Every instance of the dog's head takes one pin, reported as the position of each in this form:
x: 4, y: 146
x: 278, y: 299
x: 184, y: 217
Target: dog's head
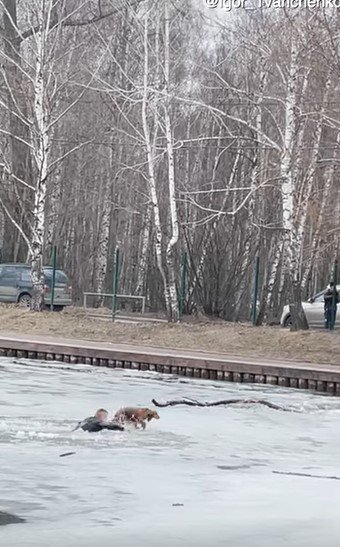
x: 151, y: 414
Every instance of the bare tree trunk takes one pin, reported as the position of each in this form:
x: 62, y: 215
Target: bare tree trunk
x: 301, y: 215
x: 296, y: 168
x: 54, y: 207
x: 290, y: 230
x: 273, y: 274
x: 41, y: 147
x: 170, y: 258
x: 143, y: 253
x: 56, y: 176
x: 18, y: 120
x: 103, y: 241
x: 2, y: 233
x: 151, y: 168
x: 326, y: 191
x: 104, y: 229
x: 208, y: 229
x: 257, y: 173
x: 15, y: 92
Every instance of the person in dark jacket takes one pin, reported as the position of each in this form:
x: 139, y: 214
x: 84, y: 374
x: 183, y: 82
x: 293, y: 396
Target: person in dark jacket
x: 331, y: 298
x: 98, y: 422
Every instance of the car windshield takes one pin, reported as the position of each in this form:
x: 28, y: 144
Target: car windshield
x: 320, y: 295
x: 60, y: 276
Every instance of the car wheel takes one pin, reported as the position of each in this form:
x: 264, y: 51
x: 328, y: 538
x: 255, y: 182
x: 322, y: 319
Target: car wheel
x: 25, y: 300
x: 288, y: 322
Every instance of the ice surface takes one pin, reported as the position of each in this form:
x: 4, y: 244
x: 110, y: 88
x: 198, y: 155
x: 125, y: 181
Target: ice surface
x: 196, y: 477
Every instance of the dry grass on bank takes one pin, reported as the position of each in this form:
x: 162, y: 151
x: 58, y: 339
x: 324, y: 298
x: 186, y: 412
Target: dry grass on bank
x: 232, y: 338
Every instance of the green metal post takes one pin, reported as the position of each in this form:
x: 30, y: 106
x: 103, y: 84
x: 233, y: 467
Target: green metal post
x: 184, y: 270
x: 256, y: 289
x: 334, y: 303
x: 115, y: 283
x: 54, y: 266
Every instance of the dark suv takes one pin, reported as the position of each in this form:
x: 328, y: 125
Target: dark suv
x: 16, y: 286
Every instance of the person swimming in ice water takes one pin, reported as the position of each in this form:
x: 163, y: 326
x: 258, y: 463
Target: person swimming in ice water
x: 98, y: 422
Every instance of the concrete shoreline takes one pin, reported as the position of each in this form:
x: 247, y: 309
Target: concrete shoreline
x: 196, y: 364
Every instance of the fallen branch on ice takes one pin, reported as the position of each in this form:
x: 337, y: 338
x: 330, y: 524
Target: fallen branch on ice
x: 192, y: 402
x: 334, y: 477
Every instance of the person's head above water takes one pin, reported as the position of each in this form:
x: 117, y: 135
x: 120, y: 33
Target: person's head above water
x: 101, y: 415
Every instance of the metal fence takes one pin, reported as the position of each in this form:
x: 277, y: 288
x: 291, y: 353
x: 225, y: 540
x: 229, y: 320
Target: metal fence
x: 118, y: 296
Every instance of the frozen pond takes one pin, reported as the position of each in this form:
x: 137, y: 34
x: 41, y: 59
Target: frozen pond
x: 122, y: 488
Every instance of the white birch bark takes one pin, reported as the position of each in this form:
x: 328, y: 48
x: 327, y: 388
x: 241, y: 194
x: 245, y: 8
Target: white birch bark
x: 287, y: 158
x: 103, y: 239
x: 296, y: 167
x: 151, y: 167
x: 273, y: 272
x: 291, y: 244
x: 187, y: 208
x: 283, y: 245
x: 143, y: 253
x: 170, y: 258
x: 41, y: 149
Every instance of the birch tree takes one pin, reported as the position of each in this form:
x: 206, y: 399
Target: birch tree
x: 153, y: 128
x: 38, y: 61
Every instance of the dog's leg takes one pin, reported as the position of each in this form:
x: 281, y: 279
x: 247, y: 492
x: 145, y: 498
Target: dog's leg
x: 135, y: 421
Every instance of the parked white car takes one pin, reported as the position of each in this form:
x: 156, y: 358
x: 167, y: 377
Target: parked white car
x: 314, y: 310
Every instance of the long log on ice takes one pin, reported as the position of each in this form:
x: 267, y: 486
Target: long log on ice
x: 309, y: 475
x: 192, y: 402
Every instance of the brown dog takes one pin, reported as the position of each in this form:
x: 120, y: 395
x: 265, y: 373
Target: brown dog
x: 136, y: 416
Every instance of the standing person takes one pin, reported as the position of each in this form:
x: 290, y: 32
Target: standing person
x: 331, y: 298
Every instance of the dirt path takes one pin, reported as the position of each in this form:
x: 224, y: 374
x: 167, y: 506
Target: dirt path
x: 218, y: 337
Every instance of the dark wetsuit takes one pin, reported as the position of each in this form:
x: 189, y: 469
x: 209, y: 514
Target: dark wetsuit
x: 331, y: 298
x: 93, y: 425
